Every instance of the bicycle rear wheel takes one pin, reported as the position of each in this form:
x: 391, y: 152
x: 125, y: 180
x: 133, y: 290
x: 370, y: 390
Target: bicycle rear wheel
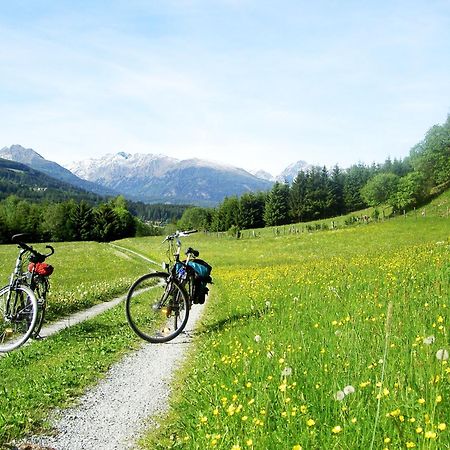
x: 17, y: 317
x: 41, y: 297
x: 157, y: 307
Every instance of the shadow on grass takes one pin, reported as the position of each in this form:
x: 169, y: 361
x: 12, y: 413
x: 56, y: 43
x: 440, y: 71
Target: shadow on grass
x: 230, y: 321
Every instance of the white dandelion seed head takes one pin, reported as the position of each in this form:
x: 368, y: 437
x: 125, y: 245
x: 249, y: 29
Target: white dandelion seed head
x: 349, y: 389
x: 442, y: 354
x: 287, y: 371
x: 257, y: 338
x: 339, y: 396
x: 429, y: 340
x: 268, y: 304
x: 380, y: 361
x: 338, y: 332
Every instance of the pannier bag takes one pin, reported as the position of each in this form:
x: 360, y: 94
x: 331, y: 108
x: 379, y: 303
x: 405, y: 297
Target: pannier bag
x: 202, y: 277
x: 41, y: 268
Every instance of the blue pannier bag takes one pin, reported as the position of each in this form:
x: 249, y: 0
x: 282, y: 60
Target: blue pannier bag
x: 202, y: 276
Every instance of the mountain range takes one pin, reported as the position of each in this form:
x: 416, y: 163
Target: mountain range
x: 154, y: 178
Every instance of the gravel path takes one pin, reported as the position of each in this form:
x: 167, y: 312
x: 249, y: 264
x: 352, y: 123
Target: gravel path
x: 112, y: 415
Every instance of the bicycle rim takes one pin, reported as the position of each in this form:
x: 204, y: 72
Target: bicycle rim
x: 157, y: 308
x: 18, y: 321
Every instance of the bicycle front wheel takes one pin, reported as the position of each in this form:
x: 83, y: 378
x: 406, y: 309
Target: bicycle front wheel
x: 18, y: 315
x: 157, y: 307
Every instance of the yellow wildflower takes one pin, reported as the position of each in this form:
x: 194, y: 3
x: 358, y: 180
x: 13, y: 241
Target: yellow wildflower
x: 337, y: 429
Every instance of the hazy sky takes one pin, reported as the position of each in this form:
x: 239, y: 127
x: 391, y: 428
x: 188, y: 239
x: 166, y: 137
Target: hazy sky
x: 253, y: 83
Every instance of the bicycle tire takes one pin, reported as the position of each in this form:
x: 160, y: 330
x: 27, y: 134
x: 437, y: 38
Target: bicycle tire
x: 42, y: 304
x: 157, y: 307
x: 41, y: 296
x: 17, y: 324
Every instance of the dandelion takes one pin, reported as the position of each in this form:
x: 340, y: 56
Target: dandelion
x: 249, y: 442
x: 310, y: 422
x: 442, y: 354
x: 430, y: 435
x: 287, y: 371
x: 297, y: 447
x: 337, y: 429
x: 442, y: 426
x: 421, y: 401
x: 339, y: 396
x: 387, y: 440
x: 349, y: 390
x: 429, y: 340
x: 236, y: 447
x: 419, y: 430
x: 410, y: 444
x: 257, y: 338
x: 438, y: 399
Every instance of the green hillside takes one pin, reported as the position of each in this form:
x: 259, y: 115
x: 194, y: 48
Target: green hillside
x: 29, y: 184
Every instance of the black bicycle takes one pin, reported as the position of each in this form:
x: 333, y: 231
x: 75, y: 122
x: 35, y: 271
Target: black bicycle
x: 23, y: 301
x: 157, y: 305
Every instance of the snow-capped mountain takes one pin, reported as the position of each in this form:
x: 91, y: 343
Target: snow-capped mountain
x: 158, y: 178
x: 154, y: 178
x: 264, y: 175
x: 288, y: 175
x: 34, y: 160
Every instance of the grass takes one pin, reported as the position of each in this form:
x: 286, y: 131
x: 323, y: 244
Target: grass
x: 331, y: 339
x: 294, y: 321
x: 54, y: 372
x: 85, y: 273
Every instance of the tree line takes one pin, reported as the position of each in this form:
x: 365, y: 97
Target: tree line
x: 70, y: 220
x: 320, y: 193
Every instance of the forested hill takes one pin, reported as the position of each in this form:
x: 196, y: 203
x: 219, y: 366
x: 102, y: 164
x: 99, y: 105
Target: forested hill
x: 29, y: 184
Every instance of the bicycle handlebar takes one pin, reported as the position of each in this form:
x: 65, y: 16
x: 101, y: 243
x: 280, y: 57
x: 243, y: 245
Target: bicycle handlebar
x: 16, y: 239
x: 178, y: 234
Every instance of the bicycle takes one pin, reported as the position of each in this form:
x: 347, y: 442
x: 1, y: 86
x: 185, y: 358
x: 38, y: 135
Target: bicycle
x: 158, y: 304
x: 23, y: 301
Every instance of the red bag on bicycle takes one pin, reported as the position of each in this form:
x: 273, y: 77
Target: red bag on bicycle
x: 41, y: 268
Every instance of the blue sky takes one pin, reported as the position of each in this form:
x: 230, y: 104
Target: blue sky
x: 253, y: 83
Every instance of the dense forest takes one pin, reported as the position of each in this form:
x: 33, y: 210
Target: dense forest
x: 70, y: 220
x: 319, y: 193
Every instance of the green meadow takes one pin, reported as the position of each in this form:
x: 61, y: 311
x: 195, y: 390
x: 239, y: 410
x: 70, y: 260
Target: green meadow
x: 328, y: 339
x: 320, y: 340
